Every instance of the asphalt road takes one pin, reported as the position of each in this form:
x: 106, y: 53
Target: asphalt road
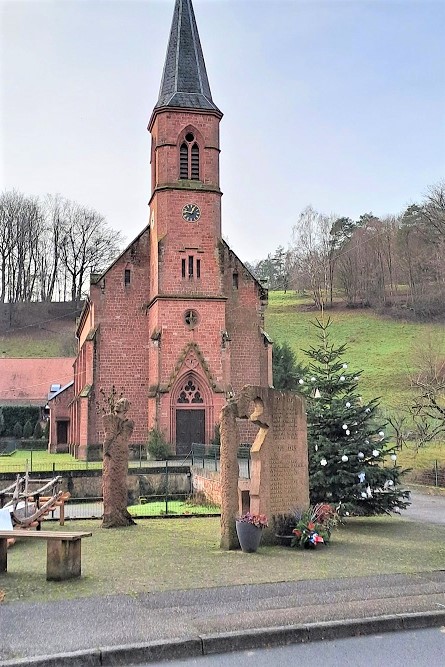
x: 419, y: 648
x: 425, y: 508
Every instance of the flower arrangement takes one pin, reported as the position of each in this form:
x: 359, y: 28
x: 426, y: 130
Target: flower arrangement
x: 258, y: 520
x: 315, y: 526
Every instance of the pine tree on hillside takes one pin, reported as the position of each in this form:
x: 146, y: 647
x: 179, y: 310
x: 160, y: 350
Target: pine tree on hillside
x: 351, y: 461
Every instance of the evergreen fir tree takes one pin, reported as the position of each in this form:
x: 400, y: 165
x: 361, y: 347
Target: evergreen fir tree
x: 38, y: 431
x: 285, y: 368
x: 351, y: 462
x: 17, y: 430
x: 27, y: 429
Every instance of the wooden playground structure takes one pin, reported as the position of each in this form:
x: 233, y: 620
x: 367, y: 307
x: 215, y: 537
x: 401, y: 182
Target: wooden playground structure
x: 29, y: 503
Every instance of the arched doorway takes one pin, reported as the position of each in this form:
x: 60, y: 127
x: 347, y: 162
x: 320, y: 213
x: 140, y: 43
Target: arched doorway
x: 191, y: 412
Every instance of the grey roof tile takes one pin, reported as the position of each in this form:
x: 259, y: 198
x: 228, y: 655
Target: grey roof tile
x: 184, y: 81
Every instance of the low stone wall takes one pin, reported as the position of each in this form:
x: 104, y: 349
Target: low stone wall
x: 207, y: 482
x: 141, y: 482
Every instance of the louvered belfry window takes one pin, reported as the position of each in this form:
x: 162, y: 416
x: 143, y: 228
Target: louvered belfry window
x: 184, y: 161
x: 189, y: 158
x: 195, y: 163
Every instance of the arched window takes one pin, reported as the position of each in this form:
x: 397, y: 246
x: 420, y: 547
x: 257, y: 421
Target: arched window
x: 189, y: 158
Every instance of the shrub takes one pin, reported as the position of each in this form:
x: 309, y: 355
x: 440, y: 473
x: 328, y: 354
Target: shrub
x: 2, y: 421
x: 13, y: 414
x: 27, y: 429
x: 38, y: 432
x: 217, y: 435
x: 17, y: 430
x: 46, y: 430
x: 157, y: 446
x: 284, y: 524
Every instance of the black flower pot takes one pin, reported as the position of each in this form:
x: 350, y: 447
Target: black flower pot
x: 249, y: 536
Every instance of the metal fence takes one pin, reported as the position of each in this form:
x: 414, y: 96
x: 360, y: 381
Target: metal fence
x: 208, y: 458
x: 152, y: 506
x: 165, y: 502
x: 431, y: 476
x: 33, y: 463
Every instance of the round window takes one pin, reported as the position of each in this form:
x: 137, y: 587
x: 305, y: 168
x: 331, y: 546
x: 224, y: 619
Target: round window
x: 189, y: 137
x: 191, y: 318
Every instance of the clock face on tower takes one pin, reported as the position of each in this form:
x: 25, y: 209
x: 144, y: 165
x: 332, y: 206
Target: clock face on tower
x: 191, y: 212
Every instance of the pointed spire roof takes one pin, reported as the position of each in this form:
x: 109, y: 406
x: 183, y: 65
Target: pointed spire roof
x: 184, y: 81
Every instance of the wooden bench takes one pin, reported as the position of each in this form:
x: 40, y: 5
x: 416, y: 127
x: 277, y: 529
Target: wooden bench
x: 62, y: 556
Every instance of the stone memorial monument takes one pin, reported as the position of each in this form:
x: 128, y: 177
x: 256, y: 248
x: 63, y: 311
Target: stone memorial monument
x: 118, y: 430
x: 279, y: 480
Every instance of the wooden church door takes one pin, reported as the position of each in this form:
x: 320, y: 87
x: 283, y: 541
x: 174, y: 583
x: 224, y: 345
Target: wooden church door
x: 190, y: 416
x: 190, y: 428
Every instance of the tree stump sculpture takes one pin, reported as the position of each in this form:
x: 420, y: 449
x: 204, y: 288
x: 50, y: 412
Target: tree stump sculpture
x: 118, y: 431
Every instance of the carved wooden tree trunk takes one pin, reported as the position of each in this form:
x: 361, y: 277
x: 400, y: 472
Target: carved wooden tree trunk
x: 229, y: 476
x: 115, y: 469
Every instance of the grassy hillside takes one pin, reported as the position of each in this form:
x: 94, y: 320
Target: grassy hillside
x: 37, y: 342
x: 384, y: 349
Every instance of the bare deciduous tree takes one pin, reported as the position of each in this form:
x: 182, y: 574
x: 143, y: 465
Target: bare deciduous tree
x: 48, y: 245
x: 428, y: 381
x: 87, y: 245
x: 311, y: 249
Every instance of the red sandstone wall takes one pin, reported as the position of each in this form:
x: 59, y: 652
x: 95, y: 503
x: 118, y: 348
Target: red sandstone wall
x: 173, y: 238
x: 122, y: 340
x: 244, y: 319
x: 60, y: 410
x: 208, y: 483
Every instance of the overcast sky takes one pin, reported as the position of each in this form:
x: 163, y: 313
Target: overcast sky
x: 337, y: 104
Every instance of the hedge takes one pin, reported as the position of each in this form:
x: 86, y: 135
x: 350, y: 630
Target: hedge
x: 13, y: 414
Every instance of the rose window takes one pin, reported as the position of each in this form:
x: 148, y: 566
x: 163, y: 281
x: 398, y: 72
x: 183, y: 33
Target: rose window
x: 191, y: 318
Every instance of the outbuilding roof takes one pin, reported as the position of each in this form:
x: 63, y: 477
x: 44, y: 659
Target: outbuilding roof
x: 28, y: 381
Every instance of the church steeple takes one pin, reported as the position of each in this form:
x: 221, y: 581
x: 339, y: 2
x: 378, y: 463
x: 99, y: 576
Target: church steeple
x: 184, y: 81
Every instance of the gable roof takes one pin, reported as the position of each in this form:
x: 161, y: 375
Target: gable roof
x: 28, y: 381
x: 52, y: 395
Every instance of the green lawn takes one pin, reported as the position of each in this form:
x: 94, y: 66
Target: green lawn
x: 159, y: 555
x: 42, y: 461
x: 40, y: 344
x: 174, y: 507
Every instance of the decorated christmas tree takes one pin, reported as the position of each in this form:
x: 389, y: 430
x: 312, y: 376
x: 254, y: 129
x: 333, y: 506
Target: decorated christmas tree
x: 351, y: 462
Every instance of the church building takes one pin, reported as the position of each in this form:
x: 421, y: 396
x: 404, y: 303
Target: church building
x: 176, y: 323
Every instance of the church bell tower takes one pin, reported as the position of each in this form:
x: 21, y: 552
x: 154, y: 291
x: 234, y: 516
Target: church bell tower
x: 186, y: 306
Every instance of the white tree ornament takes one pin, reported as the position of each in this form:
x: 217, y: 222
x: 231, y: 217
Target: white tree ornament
x: 323, y: 462
x: 344, y: 458
x: 375, y: 452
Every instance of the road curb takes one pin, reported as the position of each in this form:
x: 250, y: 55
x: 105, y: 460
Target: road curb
x: 190, y: 647
x: 240, y: 640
